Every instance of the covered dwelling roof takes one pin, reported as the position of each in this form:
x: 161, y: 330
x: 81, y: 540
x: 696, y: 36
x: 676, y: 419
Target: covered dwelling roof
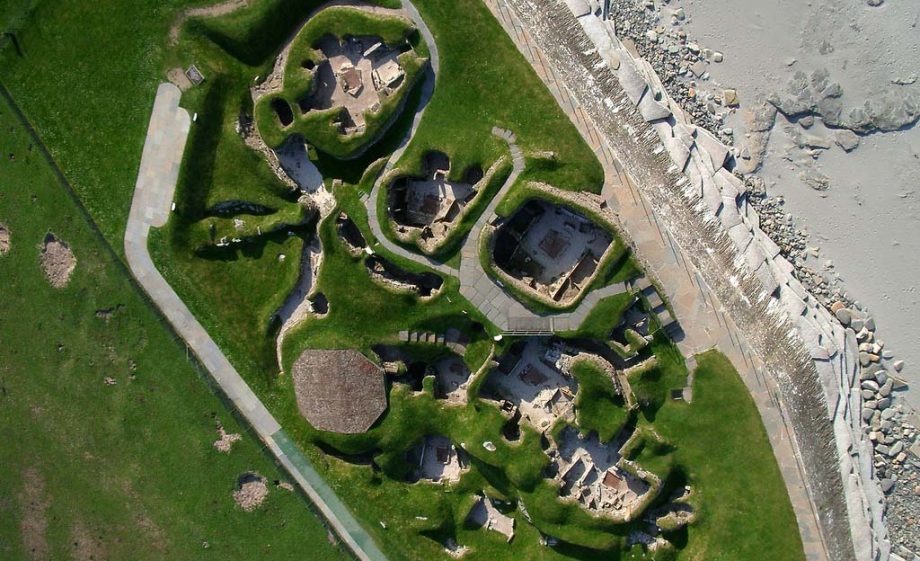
x: 339, y: 390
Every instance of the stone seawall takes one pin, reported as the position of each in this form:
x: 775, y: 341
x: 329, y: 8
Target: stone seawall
x: 681, y: 170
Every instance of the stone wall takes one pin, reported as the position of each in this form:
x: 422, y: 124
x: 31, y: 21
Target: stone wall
x: 682, y: 170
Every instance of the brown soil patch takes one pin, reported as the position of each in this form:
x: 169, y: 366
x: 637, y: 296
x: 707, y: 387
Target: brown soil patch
x: 58, y: 261
x: 251, y: 491
x: 4, y: 239
x: 178, y: 78
x: 86, y: 546
x: 225, y: 441
x: 33, y: 504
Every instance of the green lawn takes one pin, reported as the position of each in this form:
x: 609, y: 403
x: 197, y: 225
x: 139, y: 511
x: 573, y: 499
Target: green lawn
x: 719, y: 446
x: 123, y: 471
x: 485, y: 82
x: 152, y: 479
x: 598, y: 406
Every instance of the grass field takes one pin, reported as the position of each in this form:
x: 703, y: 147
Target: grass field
x: 485, y: 82
x: 154, y: 427
x: 123, y: 471
x: 719, y: 445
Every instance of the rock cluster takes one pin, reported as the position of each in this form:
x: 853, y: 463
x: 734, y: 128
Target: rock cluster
x: 817, y: 96
x: 779, y: 225
x: 679, y: 61
x: 892, y: 428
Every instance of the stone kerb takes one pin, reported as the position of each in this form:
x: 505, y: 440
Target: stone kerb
x: 701, y: 157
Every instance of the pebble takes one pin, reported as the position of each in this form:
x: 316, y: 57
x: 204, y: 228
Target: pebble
x: 846, y: 139
x: 885, y: 390
x: 898, y: 365
x: 871, y: 385
x: 730, y: 97
x: 887, y: 485
x: 844, y: 316
x: 718, y: 57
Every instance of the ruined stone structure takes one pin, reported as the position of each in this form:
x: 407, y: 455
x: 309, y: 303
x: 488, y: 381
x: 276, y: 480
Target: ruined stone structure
x: 681, y: 170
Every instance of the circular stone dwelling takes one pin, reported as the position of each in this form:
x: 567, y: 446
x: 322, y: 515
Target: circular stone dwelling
x: 339, y: 390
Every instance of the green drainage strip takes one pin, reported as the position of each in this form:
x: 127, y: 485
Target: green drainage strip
x: 346, y: 522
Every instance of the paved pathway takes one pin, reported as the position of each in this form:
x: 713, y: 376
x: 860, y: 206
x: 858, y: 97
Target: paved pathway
x: 153, y: 196
x: 484, y: 292
x: 702, y: 318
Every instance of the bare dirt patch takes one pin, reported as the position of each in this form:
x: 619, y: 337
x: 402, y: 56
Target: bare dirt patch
x: 86, y: 546
x: 251, y: 491
x: 57, y: 260
x: 225, y: 440
x: 4, y: 239
x: 33, y: 504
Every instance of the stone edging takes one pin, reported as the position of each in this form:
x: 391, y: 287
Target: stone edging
x: 700, y: 156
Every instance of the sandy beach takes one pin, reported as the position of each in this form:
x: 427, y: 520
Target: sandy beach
x: 867, y: 221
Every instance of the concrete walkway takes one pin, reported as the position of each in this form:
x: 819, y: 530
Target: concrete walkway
x: 153, y: 196
x: 704, y: 323
x: 476, y: 285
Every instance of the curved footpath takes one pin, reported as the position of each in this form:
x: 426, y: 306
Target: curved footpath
x: 153, y: 195
x: 476, y: 285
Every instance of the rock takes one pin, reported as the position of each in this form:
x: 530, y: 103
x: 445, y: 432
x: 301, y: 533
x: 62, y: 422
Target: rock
x: 871, y: 404
x: 896, y: 448
x: 883, y: 403
x: 898, y: 365
x: 881, y: 449
x: 875, y: 3
x: 815, y: 179
x: 846, y: 139
x: 844, y: 316
x: 867, y: 394
x: 886, y: 484
x: 870, y: 323
x: 888, y: 414
x: 867, y: 413
x: 680, y: 14
x: 870, y: 385
x: 881, y: 378
x: 813, y: 141
x: 857, y: 324
x: 698, y: 68
x: 730, y: 97
x: 864, y: 359
x: 885, y: 390
x: 866, y: 374
x: 807, y: 121
x: 915, y: 449
x: 718, y: 57
x: 836, y: 306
